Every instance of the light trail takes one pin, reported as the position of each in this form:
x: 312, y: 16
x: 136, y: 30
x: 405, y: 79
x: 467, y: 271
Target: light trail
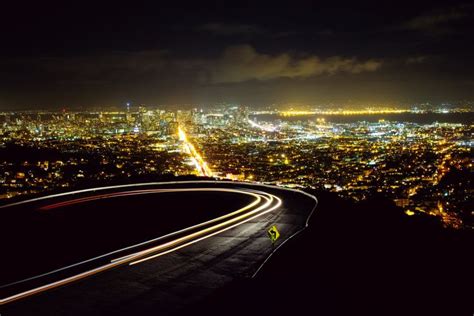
x: 199, y: 163
x: 212, y: 230
x: 263, y: 203
x: 265, y: 128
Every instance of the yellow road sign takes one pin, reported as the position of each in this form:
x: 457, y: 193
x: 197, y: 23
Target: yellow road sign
x: 273, y: 233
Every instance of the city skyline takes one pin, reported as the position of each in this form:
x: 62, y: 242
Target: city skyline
x: 409, y: 156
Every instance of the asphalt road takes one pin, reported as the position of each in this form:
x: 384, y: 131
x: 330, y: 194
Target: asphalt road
x: 168, y: 274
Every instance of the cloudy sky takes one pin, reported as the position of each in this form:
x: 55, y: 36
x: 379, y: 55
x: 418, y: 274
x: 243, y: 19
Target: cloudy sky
x: 74, y: 54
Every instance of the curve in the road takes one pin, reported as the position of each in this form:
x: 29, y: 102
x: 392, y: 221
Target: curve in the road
x: 263, y: 203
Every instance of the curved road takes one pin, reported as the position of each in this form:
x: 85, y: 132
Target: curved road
x: 288, y: 209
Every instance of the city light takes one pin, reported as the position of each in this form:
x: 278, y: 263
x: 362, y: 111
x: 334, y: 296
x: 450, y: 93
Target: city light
x: 201, y: 166
x: 406, y: 161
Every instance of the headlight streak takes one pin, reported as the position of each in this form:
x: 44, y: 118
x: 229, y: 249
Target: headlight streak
x: 137, y: 192
x: 240, y: 220
x: 223, y: 224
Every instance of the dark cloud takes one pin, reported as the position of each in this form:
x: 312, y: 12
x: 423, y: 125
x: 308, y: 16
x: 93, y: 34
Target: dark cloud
x: 415, y: 60
x: 94, y: 69
x: 242, y: 63
x: 74, y: 53
x: 134, y: 62
x: 435, y: 22
x: 236, y: 64
x: 231, y: 29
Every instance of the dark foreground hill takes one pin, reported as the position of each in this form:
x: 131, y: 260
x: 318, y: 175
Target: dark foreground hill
x: 358, y: 259
x: 364, y: 259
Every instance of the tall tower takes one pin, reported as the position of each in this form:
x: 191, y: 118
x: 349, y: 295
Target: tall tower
x: 128, y: 115
x: 142, y: 118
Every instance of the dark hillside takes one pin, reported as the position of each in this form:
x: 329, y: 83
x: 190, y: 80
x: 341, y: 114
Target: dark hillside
x: 366, y: 258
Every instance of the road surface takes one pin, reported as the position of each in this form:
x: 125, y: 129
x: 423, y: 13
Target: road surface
x: 172, y: 271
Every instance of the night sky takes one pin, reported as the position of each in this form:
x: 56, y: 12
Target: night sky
x: 256, y: 53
